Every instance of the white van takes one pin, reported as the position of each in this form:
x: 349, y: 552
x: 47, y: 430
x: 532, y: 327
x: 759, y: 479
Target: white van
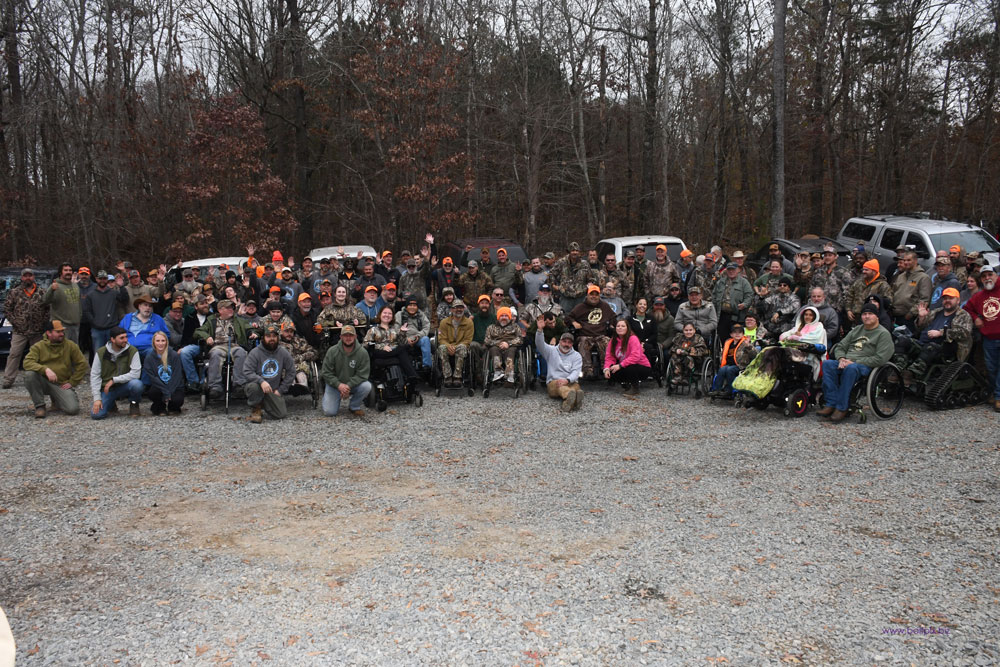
x: 350, y: 251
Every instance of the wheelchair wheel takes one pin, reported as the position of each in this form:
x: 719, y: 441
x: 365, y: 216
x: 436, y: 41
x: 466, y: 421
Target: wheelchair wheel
x: 797, y: 403
x: 204, y: 399
x: 885, y: 391
x: 381, y: 405
x: 708, y: 370
x: 317, y: 384
x: 668, y: 374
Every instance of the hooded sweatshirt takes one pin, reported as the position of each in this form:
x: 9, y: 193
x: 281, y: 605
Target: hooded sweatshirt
x: 101, y: 308
x: 561, y: 366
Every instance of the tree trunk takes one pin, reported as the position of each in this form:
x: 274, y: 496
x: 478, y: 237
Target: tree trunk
x: 647, y: 196
x: 778, y: 200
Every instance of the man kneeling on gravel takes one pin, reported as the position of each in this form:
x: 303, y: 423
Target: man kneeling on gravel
x: 114, y: 374
x: 269, y: 371
x: 564, y: 367
x: 345, y: 371
x: 54, y: 366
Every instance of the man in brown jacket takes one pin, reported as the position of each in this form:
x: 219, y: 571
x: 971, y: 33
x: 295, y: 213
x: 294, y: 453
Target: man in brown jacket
x: 454, y: 337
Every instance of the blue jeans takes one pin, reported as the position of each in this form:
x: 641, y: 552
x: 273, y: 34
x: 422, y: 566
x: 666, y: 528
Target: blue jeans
x: 425, y: 352
x: 991, y: 353
x: 724, y: 378
x: 331, y: 398
x: 99, y: 338
x: 132, y: 388
x: 188, y: 354
x: 837, y: 383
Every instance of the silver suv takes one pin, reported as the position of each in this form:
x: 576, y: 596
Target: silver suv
x: 882, y: 234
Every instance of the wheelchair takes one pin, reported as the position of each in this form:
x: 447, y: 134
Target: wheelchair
x: 882, y: 391
x: 227, y: 371
x: 468, y: 374
x: 942, y: 381
x: 795, y: 387
x: 522, y: 366
x: 314, y: 385
x: 390, y: 386
x: 699, y: 379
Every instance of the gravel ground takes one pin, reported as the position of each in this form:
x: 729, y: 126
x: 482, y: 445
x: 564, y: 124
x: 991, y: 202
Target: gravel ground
x: 497, y: 532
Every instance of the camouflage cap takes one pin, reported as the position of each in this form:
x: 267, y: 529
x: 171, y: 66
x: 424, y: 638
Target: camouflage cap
x: 272, y: 329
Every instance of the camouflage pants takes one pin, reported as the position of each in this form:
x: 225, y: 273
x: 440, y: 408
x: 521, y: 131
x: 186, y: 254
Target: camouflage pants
x: 585, y: 345
x: 506, y: 356
x: 446, y: 361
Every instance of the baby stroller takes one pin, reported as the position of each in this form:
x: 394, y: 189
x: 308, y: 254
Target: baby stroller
x: 780, y: 375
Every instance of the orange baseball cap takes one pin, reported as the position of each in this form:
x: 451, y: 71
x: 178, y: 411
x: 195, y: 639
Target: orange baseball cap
x: 951, y: 291
x: 872, y: 264
x: 371, y: 288
x: 83, y: 269
x: 447, y: 260
x: 304, y: 296
x: 661, y: 247
x: 390, y: 286
x: 483, y: 297
x: 501, y: 250
x: 274, y: 288
x: 593, y: 289
x: 386, y: 252
x: 955, y: 248
x: 686, y: 253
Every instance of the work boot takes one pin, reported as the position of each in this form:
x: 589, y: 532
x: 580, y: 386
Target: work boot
x: 215, y: 393
x: 633, y: 390
x: 825, y: 412
x: 257, y: 416
x: 7, y: 384
x: 577, y: 399
x: 996, y: 405
x: 40, y: 412
x: 838, y: 416
x: 569, y: 401
x: 133, y: 409
x: 358, y: 413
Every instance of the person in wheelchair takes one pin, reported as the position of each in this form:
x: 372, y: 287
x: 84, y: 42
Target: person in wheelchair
x: 502, y: 342
x: 592, y: 320
x: 454, y: 337
x: 945, y: 335
x: 807, y: 331
x: 864, y: 348
x: 625, y: 359
x: 270, y: 373
x: 737, y: 352
x: 688, y: 352
x: 418, y: 326
x: 303, y: 354
x: 224, y: 335
x: 386, y: 341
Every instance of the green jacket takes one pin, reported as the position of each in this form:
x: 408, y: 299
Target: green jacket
x: 65, y: 360
x: 64, y: 302
x: 207, y: 330
x: 350, y: 369
x: 871, y: 348
x: 481, y: 322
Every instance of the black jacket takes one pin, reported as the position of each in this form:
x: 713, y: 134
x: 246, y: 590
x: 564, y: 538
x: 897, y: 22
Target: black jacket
x: 304, y: 325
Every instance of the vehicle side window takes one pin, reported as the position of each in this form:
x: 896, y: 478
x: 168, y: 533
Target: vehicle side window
x: 891, y: 238
x: 859, y: 231
x: 916, y: 240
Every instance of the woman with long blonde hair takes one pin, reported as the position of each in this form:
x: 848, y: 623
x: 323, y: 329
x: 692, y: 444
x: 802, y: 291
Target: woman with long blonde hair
x: 163, y: 371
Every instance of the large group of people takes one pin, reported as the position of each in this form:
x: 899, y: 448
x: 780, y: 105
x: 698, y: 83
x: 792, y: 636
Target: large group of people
x: 582, y: 317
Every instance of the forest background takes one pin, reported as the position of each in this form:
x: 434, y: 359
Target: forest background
x: 158, y: 130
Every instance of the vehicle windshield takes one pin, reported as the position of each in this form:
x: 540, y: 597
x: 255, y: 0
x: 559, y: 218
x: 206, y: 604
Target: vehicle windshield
x: 975, y: 240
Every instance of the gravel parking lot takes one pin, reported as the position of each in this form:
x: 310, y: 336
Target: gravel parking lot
x: 497, y: 532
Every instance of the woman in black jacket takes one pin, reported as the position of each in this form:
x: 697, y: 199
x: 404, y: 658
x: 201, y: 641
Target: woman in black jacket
x: 644, y: 327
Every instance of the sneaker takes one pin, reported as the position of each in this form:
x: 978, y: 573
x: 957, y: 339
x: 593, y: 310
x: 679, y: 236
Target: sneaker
x: 497, y: 376
x: 257, y: 416
x: 133, y: 409
x: 40, y: 412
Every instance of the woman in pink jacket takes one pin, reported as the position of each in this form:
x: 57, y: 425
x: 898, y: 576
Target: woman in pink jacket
x: 624, y: 360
